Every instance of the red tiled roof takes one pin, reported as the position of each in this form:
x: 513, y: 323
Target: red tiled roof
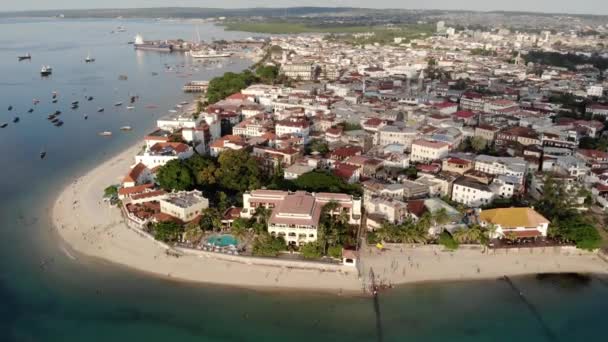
x: 464, y: 114
x: 134, y: 173
x: 416, y: 207
x: 135, y: 189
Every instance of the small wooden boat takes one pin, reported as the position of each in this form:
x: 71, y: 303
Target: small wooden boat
x: 42, y: 154
x: 31, y: 110
x: 90, y: 98
x: 118, y: 104
x: 35, y: 101
x: 24, y: 57
x: 59, y: 123
x: 86, y: 117
x: 99, y: 110
x: 16, y: 119
x: 126, y: 128
x: 57, y: 112
x: 54, y: 101
x: 75, y: 103
x: 10, y: 108
x: 4, y: 124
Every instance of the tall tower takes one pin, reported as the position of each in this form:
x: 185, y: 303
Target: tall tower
x: 518, y: 58
x: 421, y: 80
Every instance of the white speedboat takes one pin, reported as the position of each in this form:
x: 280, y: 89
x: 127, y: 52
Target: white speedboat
x: 46, y: 70
x: 105, y: 133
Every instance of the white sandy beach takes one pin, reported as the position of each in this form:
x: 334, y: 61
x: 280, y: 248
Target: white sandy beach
x: 89, y: 226
x: 398, y: 265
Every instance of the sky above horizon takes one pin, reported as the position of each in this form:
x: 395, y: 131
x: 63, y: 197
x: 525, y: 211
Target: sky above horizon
x: 555, y: 6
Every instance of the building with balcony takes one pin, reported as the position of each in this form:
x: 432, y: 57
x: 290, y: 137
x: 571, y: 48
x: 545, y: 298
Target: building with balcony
x: 295, y: 216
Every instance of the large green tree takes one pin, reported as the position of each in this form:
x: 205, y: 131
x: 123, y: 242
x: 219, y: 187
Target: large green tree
x: 238, y: 171
x: 167, y: 231
x: 228, y: 84
x: 175, y: 175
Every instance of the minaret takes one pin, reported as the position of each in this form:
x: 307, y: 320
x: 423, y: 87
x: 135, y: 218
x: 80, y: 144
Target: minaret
x: 421, y: 80
x: 518, y: 58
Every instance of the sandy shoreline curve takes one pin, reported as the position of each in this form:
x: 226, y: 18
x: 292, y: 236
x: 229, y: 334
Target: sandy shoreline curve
x: 91, y: 227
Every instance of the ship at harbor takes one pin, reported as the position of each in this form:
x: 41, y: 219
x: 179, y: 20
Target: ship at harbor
x: 209, y: 54
x: 141, y: 44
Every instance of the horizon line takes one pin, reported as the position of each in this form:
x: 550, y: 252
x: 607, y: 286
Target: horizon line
x: 295, y: 7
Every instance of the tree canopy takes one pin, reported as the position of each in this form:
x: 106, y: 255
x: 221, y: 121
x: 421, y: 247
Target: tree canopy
x: 167, y: 231
x: 238, y: 171
x: 228, y: 84
x: 175, y: 175
x: 321, y: 181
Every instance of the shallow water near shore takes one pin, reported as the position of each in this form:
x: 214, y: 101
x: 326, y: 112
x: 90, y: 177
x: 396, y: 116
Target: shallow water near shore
x: 52, y: 294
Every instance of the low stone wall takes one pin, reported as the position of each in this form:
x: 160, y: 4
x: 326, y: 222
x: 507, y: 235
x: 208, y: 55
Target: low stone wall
x: 564, y: 250
x: 273, y: 262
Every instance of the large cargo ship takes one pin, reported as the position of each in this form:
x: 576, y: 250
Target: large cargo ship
x: 140, y: 44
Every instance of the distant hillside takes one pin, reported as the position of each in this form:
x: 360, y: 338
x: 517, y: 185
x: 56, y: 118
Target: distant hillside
x: 181, y: 12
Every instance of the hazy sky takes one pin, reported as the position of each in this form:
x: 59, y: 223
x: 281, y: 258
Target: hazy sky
x: 561, y: 6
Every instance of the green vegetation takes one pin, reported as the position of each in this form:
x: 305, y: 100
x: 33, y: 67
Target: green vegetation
x: 231, y: 83
x: 268, y: 74
x: 568, y: 60
x: 111, y: 191
x: 282, y: 27
x: 228, y: 84
x: 406, y: 232
x: 322, y: 181
x: 593, y: 143
x: 410, y: 231
x: 175, y: 175
x: 311, y: 250
x: 267, y: 245
x: 483, y: 52
x: 474, y: 234
x: 238, y: 171
x: 558, y: 204
x: 335, y: 252
x: 317, y: 145
x: 168, y: 232
x: 233, y: 172
x: 349, y: 126
x: 447, y: 241
x: 334, y: 229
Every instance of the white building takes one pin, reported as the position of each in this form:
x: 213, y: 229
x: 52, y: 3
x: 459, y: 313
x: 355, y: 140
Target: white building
x: 509, y: 166
x: 184, y: 205
x: 296, y: 215
x: 596, y: 91
x: 161, y: 153
x: 295, y: 126
x: 515, y: 222
x: 389, y: 135
x: 296, y: 170
x: 472, y: 194
x: 173, y: 123
x: 427, y: 150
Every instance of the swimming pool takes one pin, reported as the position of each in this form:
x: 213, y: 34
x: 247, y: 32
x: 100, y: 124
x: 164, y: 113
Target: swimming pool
x: 222, y: 240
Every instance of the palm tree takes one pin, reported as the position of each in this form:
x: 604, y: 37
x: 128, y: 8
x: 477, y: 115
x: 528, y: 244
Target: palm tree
x: 441, y: 216
x: 262, y: 214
